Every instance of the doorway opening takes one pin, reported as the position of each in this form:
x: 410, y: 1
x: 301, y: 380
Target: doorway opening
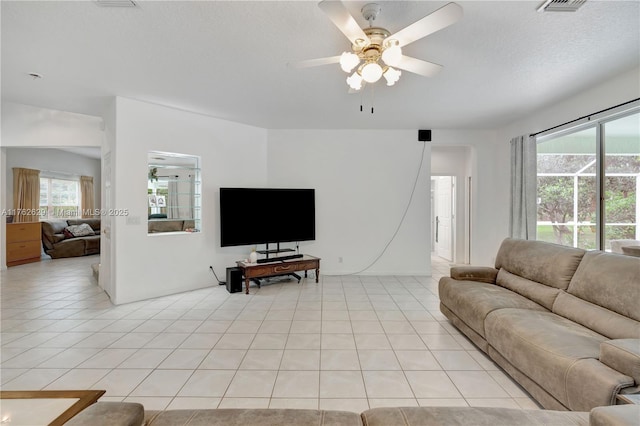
x: 443, y: 217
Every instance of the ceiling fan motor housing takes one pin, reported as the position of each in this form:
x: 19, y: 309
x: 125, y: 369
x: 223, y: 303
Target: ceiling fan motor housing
x: 373, y: 50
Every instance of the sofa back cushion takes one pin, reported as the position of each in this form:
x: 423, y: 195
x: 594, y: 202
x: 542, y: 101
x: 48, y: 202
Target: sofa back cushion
x: 611, y: 281
x: 52, y: 227
x: 539, y: 293
x: 599, y: 319
x: 93, y: 223
x: 549, y: 264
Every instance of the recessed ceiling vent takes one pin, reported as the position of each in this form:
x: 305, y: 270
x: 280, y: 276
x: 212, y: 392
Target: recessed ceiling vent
x: 116, y: 3
x: 561, y: 5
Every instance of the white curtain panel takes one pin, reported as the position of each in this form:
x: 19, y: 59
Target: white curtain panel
x: 173, y: 201
x: 523, y: 208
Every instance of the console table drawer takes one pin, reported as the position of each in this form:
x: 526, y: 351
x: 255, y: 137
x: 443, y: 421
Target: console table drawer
x: 23, y: 250
x: 28, y: 231
x: 288, y: 267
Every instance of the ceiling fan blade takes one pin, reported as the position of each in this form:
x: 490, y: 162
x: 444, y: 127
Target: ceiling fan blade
x: 340, y: 16
x: 314, y: 62
x: 441, y: 18
x: 418, y: 66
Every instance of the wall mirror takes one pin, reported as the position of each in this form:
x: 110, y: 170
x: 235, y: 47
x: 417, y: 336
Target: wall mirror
x: 173, y: 193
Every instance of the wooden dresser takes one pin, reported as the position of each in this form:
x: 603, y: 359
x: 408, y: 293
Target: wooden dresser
x: 23, y: 243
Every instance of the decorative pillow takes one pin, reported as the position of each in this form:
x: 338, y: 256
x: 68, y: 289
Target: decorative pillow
x: 81, y: 230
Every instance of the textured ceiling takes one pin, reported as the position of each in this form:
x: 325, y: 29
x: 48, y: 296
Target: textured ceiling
x: 228, y: 59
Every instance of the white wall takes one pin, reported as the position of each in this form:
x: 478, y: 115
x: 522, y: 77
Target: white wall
x: 65, y: 163
x: 25, y: 125
x: 363, y: 181
x: 231, y: 154
x: 622, y: 88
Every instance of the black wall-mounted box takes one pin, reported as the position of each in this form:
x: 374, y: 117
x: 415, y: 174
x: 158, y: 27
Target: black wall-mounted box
x: 424, y: 135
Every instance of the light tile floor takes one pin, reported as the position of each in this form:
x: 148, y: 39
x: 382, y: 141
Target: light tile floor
x: 349, y: 342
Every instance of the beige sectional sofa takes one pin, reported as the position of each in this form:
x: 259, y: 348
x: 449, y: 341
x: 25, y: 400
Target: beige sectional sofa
x: 132, y: 414
x: 563, y: 322
x: 56, y: 244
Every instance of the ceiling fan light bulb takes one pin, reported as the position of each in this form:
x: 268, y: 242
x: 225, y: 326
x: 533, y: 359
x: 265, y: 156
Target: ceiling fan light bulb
x: 392, y: 76
x: 371, y: 72
x: 348, y: 61
x: 392, y: 55
x: 355, y: 81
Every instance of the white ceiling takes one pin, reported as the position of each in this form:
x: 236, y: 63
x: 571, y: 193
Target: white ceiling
x: 502, y: 61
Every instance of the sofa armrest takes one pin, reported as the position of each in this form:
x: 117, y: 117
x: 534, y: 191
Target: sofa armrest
x: 622, y: 355
x: 618, y: 415
x: 483, y: 274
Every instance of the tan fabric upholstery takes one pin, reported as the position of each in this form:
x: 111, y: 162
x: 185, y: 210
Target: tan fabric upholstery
x: 245, y: 417
x: 546, y: 263
x: 544, y: 346
x: 622, y: 355
x: 619, y: 274
x: 555, y: 355
x: 595, y: 317
x: 590, y: 384
x: 467, y: 416
x: 621, y: 415
x: 473, y: 301
x: 109, y: 414
x: 539, y: 293
x: 474, y: 273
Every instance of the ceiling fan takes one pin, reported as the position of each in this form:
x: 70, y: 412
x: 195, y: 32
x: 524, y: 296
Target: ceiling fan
x: 377, y: 53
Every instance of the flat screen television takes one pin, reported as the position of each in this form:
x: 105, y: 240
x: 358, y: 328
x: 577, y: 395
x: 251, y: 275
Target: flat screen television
x: 266, y: 215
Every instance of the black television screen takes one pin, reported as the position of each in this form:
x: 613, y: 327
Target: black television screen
x: 266, y: 215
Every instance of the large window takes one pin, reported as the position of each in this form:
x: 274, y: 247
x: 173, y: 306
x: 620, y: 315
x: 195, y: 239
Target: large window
x: 589, y: 184
x: 59, y: 198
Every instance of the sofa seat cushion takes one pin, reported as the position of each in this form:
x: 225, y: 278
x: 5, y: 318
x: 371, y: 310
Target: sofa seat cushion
x: 465, y: 416
x: 92, y: 244
x: 68, y: 248
x: 542, y: 345
x: 473, y: 301
x: 255, y: 416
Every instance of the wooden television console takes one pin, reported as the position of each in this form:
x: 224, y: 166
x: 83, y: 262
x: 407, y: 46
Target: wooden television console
x: 254, y: 271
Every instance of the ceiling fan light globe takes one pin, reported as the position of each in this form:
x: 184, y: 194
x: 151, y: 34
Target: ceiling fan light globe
x: 392, y: 76
x: 355, y: 81
x: 348, y: 61
x: 371, y: 72
x: 392, y: 55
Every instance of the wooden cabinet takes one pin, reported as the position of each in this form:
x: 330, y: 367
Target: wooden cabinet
x: 275, y: 268
x: 23, y: 243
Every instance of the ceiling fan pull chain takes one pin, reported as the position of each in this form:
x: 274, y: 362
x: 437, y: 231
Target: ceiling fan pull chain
x: 373, y: 97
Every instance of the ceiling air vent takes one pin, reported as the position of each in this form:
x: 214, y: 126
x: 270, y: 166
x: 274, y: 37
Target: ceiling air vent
x: 116, y: 3
x: 561, y: 5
